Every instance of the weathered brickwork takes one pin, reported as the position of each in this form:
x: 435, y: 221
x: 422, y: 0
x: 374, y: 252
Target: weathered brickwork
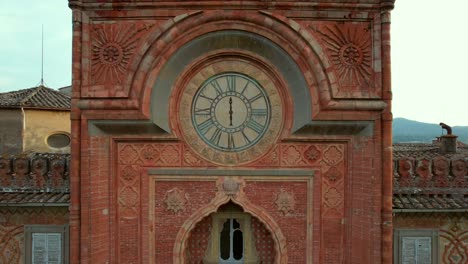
x: 315, y: 184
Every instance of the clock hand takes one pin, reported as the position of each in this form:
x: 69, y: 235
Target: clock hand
x: 230, y: 111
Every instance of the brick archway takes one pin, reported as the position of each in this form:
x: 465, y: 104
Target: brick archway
x: 240, y: 199
x: 202, y: 245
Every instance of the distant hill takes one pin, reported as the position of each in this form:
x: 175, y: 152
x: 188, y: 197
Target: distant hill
x: 405, y: 130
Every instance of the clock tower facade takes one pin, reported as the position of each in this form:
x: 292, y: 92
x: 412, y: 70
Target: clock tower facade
x: 231, y: 132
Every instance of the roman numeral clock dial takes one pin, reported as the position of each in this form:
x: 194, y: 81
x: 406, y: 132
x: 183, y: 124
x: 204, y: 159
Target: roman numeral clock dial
x: 231, y: 112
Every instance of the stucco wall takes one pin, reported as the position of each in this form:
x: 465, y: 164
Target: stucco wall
x: 11, y: 125
x: 39, y: 124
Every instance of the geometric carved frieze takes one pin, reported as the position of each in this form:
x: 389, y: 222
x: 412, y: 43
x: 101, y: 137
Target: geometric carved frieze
x: 333, y: 197
x: 348, y: 46
x: 306, y: 155
x: 164, y: 154
x: 113, y: 46
x: 128, y: 201
x: 313, y: 154
x: 333, y: 155
x: 333, y: 174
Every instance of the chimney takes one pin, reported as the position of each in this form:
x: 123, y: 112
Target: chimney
x: 448, y: 142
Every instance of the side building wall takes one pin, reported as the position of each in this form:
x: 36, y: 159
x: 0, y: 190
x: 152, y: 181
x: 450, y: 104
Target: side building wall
x: 34, y: 213
x: 11, y: 129
x: 449, y: 229
x: 40, y: 124
x: 13, y: 222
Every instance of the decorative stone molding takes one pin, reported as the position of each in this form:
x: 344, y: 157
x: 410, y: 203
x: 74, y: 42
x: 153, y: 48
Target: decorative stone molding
x: 113, y: 46
x: 349, y: 47
x: 230, y: 186
x: 430, y: 173
x: 35, y: 171
x: 285, y: 202
x: 175, y: 200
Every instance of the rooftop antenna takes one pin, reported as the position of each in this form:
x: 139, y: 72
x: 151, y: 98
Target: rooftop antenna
x: 42, y: 56
x: 42, y: 83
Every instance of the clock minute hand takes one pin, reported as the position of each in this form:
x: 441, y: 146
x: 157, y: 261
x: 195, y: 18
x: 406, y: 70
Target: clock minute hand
x: 230, y: 111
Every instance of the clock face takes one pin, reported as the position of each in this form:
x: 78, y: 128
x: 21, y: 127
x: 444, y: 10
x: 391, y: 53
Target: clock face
x: 231, y: 112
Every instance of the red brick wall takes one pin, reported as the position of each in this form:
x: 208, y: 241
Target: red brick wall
x: 118, y: 211
x: 264, y: 243
x: 198, y: 241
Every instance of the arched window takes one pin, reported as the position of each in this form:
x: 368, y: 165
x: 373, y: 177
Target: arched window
x: 231, y: 242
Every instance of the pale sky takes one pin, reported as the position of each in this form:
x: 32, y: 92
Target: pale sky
x: 429, y: 54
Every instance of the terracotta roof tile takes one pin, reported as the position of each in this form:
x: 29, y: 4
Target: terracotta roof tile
x: 430, y: 202
x: 428, y: 151
x: 425, y: 179
x: 37, y: 97
x: 33, y: 198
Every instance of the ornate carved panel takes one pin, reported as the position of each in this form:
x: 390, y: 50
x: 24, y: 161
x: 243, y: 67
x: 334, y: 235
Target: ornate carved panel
x: 349, y: 47
x: 177, y: 202
x: 112, y: 49
x: 113, y: 46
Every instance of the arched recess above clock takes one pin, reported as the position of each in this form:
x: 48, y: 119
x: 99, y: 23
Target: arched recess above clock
x: 234, y: 40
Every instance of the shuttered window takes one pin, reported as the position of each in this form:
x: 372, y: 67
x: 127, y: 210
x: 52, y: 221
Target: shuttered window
x: 415, y: 246
x: 46, y: 244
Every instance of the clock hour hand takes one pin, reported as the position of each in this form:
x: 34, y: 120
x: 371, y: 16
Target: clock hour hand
x: 230, y: 111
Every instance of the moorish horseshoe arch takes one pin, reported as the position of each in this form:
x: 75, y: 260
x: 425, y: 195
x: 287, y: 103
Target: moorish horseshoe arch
x: 212, y: 207
x: 270, y: 33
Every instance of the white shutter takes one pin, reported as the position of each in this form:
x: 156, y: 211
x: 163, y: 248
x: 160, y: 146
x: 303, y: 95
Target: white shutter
x: 47, y: 248
x: 416, y: 250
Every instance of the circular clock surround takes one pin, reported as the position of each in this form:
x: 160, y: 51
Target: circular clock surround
x: 230, y: 111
